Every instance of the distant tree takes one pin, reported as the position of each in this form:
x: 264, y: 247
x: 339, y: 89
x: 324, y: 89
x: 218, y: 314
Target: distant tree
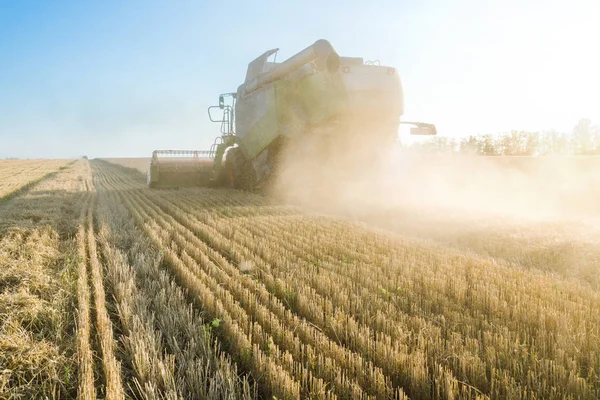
x: 444, y: 144
x: 532, y: 144
x: 547, y: 143
x: 563, y: 146
x: 489, y: 146
x: 595, y: 133
x: 582, y: 139
x: 511, y: 144
x: 468, y: 145
x: 585, y: 139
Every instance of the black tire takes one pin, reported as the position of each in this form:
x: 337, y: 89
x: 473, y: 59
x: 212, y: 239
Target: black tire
x: 237, y: 172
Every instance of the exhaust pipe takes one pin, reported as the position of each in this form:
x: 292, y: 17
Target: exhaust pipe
x: 321, y: 52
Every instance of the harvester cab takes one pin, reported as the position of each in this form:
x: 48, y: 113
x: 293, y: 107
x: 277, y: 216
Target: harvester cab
x: 227, y: 140
x: 227, y: 108
x: 343, y: 106
x: 180, y: 168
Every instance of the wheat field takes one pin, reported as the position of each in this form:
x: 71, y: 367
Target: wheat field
x: 16, y: 175
x: 112, y: 290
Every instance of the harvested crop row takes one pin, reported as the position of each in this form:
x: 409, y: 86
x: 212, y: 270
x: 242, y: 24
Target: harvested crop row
x: 172, y: 352
x: 295, y: 282
x: 284, y: 336
x: 372, y: 301
x: 217, y: 302
x: 273, y: 274
x: 278, y: 232
x: 327, y: 368
x: 307, y: 302
x: 335, y: 364
x: 38, y: 286
x: 86, y: 388
x: 407, y: 369
x: 110, y: 365
x: 270, y: 312
x: 434, y: 321
x: 88, y: 333
x: 153, y: 374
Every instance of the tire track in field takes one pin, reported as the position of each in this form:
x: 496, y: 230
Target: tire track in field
x: 92, y: 297
x: 110, y: 365
x: 86, y: 388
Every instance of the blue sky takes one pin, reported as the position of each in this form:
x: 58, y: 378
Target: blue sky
x: 121, y: 78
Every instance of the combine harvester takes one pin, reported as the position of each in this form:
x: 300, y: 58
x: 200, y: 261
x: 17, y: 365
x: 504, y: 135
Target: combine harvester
x: 345, y: 108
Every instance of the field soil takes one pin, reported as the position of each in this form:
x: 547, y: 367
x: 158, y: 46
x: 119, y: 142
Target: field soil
x: 111, y: 290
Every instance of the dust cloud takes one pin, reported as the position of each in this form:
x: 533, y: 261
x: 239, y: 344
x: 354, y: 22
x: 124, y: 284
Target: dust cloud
x: 371, y: 180
x: 539, y: 213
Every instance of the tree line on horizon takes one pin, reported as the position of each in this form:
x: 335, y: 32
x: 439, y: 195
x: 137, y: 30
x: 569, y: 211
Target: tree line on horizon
x: 583, y: 140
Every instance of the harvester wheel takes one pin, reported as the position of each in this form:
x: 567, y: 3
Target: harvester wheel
x: 229, y: 174
x: 237, y: 171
